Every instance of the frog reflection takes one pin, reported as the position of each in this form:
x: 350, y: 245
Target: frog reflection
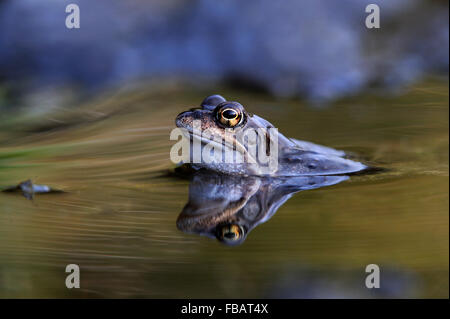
x: 228, y: 207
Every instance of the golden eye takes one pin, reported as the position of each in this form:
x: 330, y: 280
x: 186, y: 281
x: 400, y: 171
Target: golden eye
x: 229, y: 116
x: 231, y: 233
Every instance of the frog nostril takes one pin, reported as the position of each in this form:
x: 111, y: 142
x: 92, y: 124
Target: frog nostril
x: 312, y: 165
x: 197, y: 115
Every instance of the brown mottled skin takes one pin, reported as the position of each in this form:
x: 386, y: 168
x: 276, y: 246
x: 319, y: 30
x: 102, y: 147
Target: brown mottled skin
x: 295, y: 157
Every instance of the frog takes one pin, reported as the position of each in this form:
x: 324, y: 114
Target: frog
x: 228, y: 207
x: 293, y: 157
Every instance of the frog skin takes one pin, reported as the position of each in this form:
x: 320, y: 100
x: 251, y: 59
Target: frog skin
x: 294, y: 157
x: 228, y: 207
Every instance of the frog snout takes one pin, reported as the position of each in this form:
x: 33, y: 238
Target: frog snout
x: 183, y: 119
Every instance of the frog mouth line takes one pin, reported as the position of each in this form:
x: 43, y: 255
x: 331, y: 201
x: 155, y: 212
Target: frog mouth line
x: 227, y: 144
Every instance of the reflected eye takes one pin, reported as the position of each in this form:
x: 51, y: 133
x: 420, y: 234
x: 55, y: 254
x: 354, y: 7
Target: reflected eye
x: 231, y: 233
x: 229, y: 115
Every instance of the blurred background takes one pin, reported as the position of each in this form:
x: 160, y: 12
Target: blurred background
x: 90, y: 110
x: 311, y: 49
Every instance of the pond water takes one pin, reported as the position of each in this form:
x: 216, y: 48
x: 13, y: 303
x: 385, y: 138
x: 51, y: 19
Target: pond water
x: 117, y: 217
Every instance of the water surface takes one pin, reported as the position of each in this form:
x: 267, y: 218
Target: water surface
x: 117, y: 219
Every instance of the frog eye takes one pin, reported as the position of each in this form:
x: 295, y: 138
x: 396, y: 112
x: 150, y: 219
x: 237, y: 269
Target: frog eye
x: 229, y: 115
x: 230, y: 233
